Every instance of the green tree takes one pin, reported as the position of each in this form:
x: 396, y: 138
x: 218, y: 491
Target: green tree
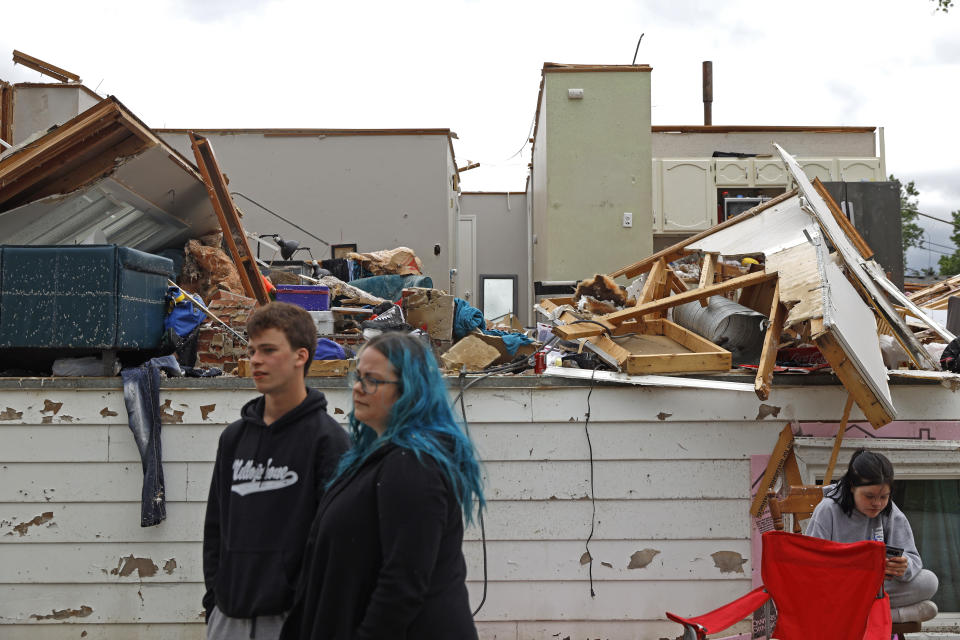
x: 911, y: 232
x: 950, y: 265
x: 943, y: 5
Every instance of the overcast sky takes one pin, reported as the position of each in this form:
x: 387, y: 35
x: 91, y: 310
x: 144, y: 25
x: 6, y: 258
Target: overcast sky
x: 474, y: 66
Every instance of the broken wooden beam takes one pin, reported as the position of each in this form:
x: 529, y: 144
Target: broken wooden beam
x: 606, y: 324
x: 842, y: 220
x: 771, y: 342
x: 45, y: 68
x: 854, y: 382
x: 233, y: 231
x: 708, y: 273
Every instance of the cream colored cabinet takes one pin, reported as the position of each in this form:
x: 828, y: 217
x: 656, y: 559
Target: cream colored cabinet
x: 770, y: 173
x: 734, y: 173
x: 688, y: 195
x: 827, y: 169
x: 860, y: 169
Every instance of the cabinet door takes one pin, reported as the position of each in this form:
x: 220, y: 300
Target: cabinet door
x: 689, y: 195
x: 733, y: 173
x: 770, y: 173
x: 860, y: 169
x: 824, y: 168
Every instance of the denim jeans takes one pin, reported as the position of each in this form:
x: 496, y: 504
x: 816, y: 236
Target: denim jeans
x: 141, y: 394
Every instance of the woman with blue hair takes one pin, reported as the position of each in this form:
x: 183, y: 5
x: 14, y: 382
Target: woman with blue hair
x: 384, y: 557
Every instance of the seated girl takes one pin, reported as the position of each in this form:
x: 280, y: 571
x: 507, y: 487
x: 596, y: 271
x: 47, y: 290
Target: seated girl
x: 858, y: 507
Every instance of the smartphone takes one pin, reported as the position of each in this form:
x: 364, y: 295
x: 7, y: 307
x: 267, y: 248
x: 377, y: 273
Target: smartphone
x: 894, y: 552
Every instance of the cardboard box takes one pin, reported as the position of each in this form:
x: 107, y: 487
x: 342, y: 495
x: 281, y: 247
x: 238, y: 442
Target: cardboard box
x: 431, y: 309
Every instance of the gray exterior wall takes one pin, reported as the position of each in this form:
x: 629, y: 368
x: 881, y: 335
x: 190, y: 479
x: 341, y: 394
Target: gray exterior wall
x: 380, y: 191
x: 501, y: 239
x: 39, y: 107
x: 799, y: 143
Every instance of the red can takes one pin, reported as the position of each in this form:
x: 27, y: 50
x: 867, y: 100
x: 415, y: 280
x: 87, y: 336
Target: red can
x: 539, y: 362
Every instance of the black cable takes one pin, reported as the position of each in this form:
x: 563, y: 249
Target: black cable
x: 274, y: 213
x: 593, y: 493
x: 637, y: 50
x: 483, y: 529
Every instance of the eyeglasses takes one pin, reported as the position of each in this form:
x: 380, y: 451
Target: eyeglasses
x: 369, y: 384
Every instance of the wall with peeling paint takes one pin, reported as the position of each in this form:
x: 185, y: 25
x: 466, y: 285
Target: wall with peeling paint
x: 672, y: 485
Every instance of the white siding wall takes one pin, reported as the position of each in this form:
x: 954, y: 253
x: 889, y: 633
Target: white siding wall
x: 671, y: 479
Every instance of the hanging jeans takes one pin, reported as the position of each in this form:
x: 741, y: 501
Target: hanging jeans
x: 141, y: 394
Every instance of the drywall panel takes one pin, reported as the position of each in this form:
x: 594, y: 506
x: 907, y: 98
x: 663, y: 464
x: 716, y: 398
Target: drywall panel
x: 775, y: 229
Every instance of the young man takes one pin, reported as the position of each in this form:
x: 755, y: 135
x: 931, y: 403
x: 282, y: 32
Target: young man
x: 271, y: 469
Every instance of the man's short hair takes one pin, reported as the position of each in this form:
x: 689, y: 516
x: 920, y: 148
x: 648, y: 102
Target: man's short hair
x: 295, y: 323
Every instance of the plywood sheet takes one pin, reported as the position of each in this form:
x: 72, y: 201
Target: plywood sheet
x: 800, y: 281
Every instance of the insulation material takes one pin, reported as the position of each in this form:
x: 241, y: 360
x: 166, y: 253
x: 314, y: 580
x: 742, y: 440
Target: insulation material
x: 401, y: 261
x: 207, y: 269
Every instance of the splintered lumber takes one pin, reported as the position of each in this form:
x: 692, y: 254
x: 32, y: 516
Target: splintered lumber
x: 842, y: 220
x: 771, y: 341
x: 678, y: 250
x: 707, y: 273
x: 854, y: 382
x: 45, y: 68
x: 688, y: 296
x: 778, y: 458
x: 233, y: 231
x: 828, y: 474
x: 615, y: 354
x: 609, y: 322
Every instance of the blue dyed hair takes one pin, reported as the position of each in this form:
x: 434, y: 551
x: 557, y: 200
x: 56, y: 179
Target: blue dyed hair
x: 421, y: 420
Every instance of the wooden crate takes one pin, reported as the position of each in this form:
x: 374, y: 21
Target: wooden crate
x: 665, y: 347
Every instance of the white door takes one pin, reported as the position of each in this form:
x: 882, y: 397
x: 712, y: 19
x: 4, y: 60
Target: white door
x: 467, y: 258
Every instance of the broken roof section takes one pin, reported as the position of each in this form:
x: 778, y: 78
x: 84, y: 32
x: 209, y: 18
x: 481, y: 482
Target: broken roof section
x: 102, y: 176
x: 816, y: 284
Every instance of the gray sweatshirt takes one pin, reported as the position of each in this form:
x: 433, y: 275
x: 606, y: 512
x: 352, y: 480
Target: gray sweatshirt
x: 830, y: 523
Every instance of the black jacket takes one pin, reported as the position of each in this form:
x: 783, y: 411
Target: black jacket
x: 384, y: 559
x: 267, y: 482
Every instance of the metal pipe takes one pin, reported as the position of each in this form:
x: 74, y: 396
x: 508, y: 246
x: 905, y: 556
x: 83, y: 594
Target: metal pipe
x: 707, y: 93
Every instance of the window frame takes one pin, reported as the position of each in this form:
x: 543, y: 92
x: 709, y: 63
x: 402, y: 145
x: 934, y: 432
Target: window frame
x: 495, y: 276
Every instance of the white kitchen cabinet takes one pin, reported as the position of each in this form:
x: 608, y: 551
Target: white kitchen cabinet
x: 688, y: 193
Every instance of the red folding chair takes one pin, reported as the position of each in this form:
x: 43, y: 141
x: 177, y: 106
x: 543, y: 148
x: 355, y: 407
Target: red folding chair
x: 823, y: 590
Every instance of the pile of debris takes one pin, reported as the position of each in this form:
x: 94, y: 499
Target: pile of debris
x: 807, y: 295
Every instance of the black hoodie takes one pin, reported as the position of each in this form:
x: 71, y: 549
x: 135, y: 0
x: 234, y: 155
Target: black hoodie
x: 267, y: 482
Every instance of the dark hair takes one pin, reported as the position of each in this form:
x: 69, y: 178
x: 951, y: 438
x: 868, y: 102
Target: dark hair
x: 865, y: 468
x: 295, y: 323
x: 421, y: 420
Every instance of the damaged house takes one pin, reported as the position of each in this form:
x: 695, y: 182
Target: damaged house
x: 613, y: 495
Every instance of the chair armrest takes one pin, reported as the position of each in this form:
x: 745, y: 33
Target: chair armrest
x: 722, y: 618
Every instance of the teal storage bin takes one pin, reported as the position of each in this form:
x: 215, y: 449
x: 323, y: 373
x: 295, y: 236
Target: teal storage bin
x: 82, y: 297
